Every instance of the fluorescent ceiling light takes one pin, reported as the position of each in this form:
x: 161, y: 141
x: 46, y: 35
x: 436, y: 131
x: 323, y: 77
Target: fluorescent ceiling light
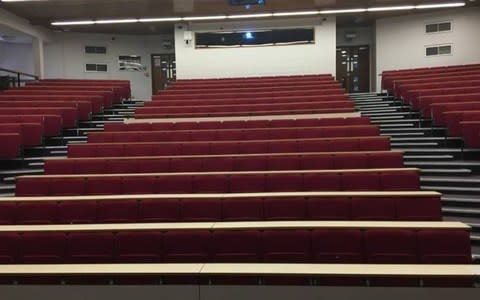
x: 250, y: 16
x: 296, y: 13
x: 343, y: 11
x: 160, y: 19
x: 117, y: 21
x: 440, y: 5
x: 73, y: 23
x: 391, y: 8
x: 204, y: 18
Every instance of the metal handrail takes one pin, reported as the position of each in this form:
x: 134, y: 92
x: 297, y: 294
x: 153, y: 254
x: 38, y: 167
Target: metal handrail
x: 19, y: 75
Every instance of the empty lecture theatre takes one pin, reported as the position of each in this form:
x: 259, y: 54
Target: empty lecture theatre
x: 239, y: 149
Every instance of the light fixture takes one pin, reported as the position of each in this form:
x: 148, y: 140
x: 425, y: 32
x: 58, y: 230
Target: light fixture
x: 250, y: 16
x: 296, y: 13
x: 258, y: 15
x: 391, y: 8
x: 440, y: 5
x: 343, y: 11
x: 87, y: 22
x: 116, y: 21
x: 204, y: 18
x: 145, y: 20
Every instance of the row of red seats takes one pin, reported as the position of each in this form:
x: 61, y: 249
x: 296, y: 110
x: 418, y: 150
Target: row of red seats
x: 261, y: 162
x: 31, y: 134
x: 69, y: 114
x: 409, y: 90
x: 279, y: 91
x: 120, y: 88
x: 234, y: 134
x: 83, y: 109
x: 145, y: 126
x: 319, y: 245
x: 257, y: 86
x: 376, y: 143
x: 231, y: 182
x: 94, y: 104
x: 52, y: 124
x: 189, y: 100
x: 402, y: 85
x: 280, y: 208
x: 105, y: 95
x: 389, y: 77
x: 256, y: 79
x: 467, y: 91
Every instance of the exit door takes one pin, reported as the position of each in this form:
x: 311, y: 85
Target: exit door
x: 353, y: 68
x: 164, y: 70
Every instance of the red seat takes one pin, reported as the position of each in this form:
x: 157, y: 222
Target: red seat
x: 400, y: 181
x: 88, y: 247
x: 174, y: 184
x: 77, y: 212
x: 328, y: 208
x: 8, y: 247
x: 285, y: 246
x: 164, y: 210
x: 200, y: 210
x: 67, y: 187
x: 192, y: 246
x: 247, y: 183
x: 42, y: 248
x: 242, y: 209
x: 139, y: 185
x: 40, y: 212
x: 103, y: 186
x: 283, y: 163
x: 321, y: 182
x: 7, y: 213
x: 236, y: 246
x: 284, y: 182
x: 362, y: 181
x: 418, y: 209
x: 287, y: 209
x: 373, y: 208
x: 250, y: 163
x: 117, y: 211
x: 210, y: 184
x: 337, y: 246
x: 139, y: 247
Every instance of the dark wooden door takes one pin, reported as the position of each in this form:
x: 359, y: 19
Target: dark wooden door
x: 163, y: 71
x: 353, y: 68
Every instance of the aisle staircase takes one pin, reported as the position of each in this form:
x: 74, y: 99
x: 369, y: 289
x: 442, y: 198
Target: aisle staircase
x: 445, y: 165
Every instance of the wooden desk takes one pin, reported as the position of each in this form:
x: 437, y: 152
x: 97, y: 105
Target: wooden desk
x: 223, y: 196
x: 235, y: 226
x: 360, y: 270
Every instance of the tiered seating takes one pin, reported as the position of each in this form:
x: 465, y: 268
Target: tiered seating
x: 443, y: 94
x: 29, y: 114
x: 296, y: 95
x: 316, y: 191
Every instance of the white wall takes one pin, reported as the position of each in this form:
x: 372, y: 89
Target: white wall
x: 258, y: 61
x: 65, y: 57
x: 17, y: 57
x: 401, y: 41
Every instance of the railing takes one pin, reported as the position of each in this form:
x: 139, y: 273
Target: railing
x: 16, y: 80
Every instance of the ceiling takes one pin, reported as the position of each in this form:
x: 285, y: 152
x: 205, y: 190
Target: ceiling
x: 43, y: 12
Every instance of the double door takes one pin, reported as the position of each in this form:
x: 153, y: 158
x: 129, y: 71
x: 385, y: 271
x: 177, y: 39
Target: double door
x: 163, y: 71
x: 353, y: 68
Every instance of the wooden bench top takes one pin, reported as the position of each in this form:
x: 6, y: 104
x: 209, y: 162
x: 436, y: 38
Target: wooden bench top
x: 223, y: 173
x: 253, y: 269
x: 389, y: 194
x: 235, y: 226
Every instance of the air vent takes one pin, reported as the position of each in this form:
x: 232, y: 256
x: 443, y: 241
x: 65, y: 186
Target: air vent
x: 95, y: 50
x: 438, y: 50
x: 96, y: 68
x: 438, y: 27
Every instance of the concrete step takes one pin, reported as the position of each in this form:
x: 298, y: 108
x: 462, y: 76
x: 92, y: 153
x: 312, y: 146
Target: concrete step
x: 427, y: 157
x: 444, y: 172
x: 414, y: 144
